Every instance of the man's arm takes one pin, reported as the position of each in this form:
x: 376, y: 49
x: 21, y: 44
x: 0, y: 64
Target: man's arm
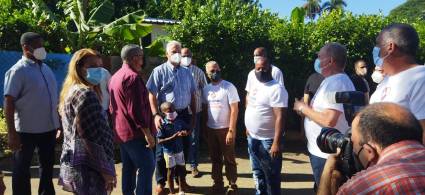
x: 163, y: 140
x: 326, y: 118
x: 231, y: 135
x: 306, y: 98
x: 9, y: 112
x: 278, y: 115
x: 366, y: 96
x: 331, y: 178
x: 154, y: 107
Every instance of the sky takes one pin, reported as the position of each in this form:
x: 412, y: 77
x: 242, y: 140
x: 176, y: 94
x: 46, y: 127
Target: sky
x: 284, y: 7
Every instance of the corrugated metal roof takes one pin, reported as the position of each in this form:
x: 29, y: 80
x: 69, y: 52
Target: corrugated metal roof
x: 160, y: 21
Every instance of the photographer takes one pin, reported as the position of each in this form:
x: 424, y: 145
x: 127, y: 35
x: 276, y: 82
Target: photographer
x: 387, y: 143
x: 322, y: 112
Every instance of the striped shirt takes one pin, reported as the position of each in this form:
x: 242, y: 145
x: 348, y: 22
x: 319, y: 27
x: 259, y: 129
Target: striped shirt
x: 200, y: 83
x: 172, y: 84
x: 400, y: 170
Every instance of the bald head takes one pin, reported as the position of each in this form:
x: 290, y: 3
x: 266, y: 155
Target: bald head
x: 260, y: 52
x: 186, y: 52
x: 337, y: 52
x: 386, y: 124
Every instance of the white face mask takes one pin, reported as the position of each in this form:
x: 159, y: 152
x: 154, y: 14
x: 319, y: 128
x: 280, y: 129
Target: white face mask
x: 186, y: 61
x: 256, y: 58
x: 39, y: 53
x: 377, y: 77
x: 176, y: 58
x: 171, y: 116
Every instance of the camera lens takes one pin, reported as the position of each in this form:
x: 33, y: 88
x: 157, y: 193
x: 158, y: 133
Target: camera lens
x: 330, y: 139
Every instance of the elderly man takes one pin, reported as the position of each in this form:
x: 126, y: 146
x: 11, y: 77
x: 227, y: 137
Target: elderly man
x: 200, y: 82
x: 132, y: 119
x: 31, y: 100
x: 358, y: 78
x: 221, y: 109
x: 322, y: 112
x: 172, y: 83
x: 264, y: 120
x: 404, y: 84
x: 387, y: 142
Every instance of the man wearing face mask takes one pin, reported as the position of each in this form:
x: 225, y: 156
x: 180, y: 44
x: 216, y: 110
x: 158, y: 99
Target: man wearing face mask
x: 277, y: 75
x: 221, y: 111
x: 404, y: 84
x: 264, y: 119
x: 322, y: 112
x: 132, y: 118
x: 172, y: 83
x: 387, y: 142
x: 31, y: 100
x: 358, y: 78
x: 200, y: 82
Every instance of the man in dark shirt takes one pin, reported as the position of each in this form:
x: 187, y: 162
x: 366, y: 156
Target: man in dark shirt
x: 358, y: 78
x: 132, y: 119
x: 313, y: 83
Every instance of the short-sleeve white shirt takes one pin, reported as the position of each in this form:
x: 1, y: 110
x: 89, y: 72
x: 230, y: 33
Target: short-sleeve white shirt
x: 335, y: 83
x: 218, y: 99
x: 276, y: 74
x: 259, y: 116
x: 406, y: 88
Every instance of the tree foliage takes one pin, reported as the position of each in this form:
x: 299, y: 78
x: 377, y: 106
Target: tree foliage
x: 411, y: 10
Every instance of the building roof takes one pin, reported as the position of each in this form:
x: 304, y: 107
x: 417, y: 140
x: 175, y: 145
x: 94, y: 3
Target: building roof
x: 160, y: 21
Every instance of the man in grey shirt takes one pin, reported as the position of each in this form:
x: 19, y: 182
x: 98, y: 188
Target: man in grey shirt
x: 32, y: 119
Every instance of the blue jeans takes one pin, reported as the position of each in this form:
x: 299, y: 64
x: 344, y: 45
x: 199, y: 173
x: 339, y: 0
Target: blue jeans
x: 193, y: 155
x: 317, y: 164
x: 266, y: 170
x: 137, y: 158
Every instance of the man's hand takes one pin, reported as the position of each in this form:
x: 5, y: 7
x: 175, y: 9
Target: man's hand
x: 58, y: 134
x: 110, y: 182
x: 331, y: 178
x: 275, y: 150
x: 230, y: 139
x: 184, y: 133
x: 14, y: 142
x: 158, y: 121
x: 150, y: 140
x: 299, y: 106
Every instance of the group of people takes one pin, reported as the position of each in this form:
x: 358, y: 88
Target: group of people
x: 157, y: 124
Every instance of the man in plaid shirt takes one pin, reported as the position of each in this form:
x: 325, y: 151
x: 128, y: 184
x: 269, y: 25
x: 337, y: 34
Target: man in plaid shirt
x: 387, y: 142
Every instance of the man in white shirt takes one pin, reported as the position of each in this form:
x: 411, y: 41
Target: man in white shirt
x: 322, y: 112
x: 404, y: 83
x: 221, y: 108
x: 264, y: 120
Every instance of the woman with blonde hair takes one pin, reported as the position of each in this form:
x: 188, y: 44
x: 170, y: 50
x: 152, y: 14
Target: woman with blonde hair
x: 87, y: 159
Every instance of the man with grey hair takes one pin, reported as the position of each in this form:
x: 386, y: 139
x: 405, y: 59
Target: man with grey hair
x: 323, y: 112
x: 404, y: 83
x: 132, y: 119
x: 172, y: 83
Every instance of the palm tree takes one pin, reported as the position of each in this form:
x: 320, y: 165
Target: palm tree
x: 312, y: 8
x: 333, y: 5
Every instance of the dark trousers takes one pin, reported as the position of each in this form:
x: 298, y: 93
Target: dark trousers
x: 45, y: 144
x: 161, y: 170
x: 220, y: 154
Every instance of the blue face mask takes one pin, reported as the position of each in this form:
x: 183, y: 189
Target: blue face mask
x: 94, y: 75
x: 317, y: 66
x: 378, y: 61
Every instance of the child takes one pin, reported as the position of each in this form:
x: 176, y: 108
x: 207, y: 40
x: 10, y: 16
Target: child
x: 170, y: 138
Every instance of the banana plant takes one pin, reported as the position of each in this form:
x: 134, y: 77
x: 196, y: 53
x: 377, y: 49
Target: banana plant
x: 93, y: 26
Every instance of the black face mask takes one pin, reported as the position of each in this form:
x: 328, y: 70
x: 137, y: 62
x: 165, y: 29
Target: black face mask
x: 263, y: 76
x: 216, y: 76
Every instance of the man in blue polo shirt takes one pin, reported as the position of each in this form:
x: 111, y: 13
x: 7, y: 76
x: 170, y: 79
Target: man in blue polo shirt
x: 31, y: 100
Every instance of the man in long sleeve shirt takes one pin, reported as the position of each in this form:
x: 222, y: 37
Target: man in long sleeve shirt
x: 132, y: 119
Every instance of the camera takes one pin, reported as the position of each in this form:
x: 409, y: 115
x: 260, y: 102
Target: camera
x: 330, y: 139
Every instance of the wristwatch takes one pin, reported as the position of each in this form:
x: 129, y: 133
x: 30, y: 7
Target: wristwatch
x: 157, y: 114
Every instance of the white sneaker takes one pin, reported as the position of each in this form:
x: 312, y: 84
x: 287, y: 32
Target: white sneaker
x: 181, y: 193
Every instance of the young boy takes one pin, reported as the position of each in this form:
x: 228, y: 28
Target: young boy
x: 170, y: 138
